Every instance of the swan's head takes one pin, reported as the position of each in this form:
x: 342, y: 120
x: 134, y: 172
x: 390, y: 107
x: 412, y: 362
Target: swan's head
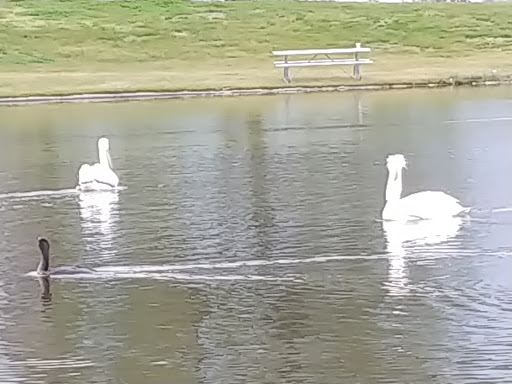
x: 103, y: 144
x: 396, y: 162
x: 104, y: 152
x: 44, y: 245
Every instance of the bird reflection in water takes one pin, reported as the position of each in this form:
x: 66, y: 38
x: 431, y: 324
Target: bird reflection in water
x: 97, y: 208
x: 46, y: 294
x: 99, y: 217
x: 409, y: 238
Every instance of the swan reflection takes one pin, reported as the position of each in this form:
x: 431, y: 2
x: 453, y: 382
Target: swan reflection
x: 99, y: 217
x: 410, y: 238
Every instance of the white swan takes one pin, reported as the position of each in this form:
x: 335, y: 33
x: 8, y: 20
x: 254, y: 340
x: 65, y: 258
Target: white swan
x: 100, y: 175
x: 420, y: 205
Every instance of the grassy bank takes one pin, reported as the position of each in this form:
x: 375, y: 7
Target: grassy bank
x: 62, y: 47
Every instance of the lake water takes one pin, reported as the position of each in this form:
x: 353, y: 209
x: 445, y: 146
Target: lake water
x: 246, y: 245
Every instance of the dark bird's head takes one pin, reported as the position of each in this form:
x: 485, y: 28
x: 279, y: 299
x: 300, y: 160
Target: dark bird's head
x: 44, y: 244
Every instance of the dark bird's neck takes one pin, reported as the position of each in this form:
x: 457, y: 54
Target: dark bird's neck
x: 44, y: 263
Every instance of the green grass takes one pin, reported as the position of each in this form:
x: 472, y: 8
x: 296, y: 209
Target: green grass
x: 157, y: 44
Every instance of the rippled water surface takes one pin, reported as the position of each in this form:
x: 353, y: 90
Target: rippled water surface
x: 246, y: 246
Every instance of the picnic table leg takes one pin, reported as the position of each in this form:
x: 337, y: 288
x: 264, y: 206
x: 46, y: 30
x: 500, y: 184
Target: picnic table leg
x: 357, y: 71
x: 286, y: 71
x: 357, y: 67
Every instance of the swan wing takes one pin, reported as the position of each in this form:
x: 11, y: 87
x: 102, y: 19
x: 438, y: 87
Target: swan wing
x: 105, y: 175
x: 85, y: 174
x: 97, y: 176
x: 431, y: 204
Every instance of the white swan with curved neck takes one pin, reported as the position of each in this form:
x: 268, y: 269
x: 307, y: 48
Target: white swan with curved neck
x: 98, y: 176
x: 420, y: 205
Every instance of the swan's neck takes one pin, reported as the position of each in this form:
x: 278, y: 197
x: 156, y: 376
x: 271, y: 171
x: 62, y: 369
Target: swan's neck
x: 398, y: 187
x: 104, y: 158
x: 44, y: 263
x: 394, y: 185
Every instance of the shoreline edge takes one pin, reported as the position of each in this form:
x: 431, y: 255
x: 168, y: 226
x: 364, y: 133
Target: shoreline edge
x: 156, y: 95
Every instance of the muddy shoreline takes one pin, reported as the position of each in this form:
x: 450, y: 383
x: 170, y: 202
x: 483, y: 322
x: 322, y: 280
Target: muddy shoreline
x: 135, y: 96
